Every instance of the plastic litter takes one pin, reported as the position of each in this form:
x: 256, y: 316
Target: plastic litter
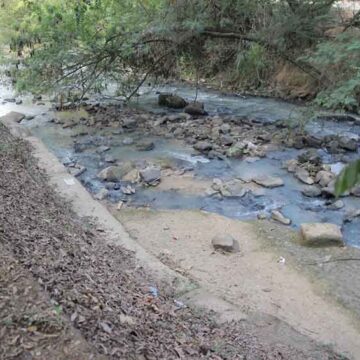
x: 179, y: 304
x: 69, y: 181
x: 153, y: 291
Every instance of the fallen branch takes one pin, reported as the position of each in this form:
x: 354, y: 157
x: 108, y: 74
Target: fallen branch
x: 147, y: 74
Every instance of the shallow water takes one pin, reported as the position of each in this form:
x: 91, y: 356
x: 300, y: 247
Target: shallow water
x: 261, y: 109
x: 289, y: 198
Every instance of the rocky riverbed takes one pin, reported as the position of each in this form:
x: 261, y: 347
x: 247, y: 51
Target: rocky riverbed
x: 239, y: 166
x: 232, y: 159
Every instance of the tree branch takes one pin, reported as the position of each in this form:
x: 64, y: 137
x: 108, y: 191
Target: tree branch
x: 308, y: 69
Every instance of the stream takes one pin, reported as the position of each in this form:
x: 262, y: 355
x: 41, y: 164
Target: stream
x: 293, y: 204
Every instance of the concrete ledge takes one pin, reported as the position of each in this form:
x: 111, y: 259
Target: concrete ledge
x: 84, y: 205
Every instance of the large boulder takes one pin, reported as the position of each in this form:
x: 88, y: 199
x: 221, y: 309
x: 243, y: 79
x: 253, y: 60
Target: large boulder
x: 225, y: 243
x: 195, y: 108
x: 321, y: 234
x: 171, y: 101
x: 115, y: 173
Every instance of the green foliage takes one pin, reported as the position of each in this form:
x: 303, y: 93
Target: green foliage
x: 253, y: 65
x: 348, y: 178
x: 79, y: 45
x: 85, y: 45
x: 339, y: 63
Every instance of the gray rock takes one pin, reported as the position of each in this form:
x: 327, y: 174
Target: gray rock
x: 225, y: 128
x: 234, y: 188
x: 226, y: 140
x: 117, y: 131
x: 178, y: 132
x: 321, y: 234
x: 145, y: 145
x: 129, y: 123
x: 348, y: 143
x: 311, y: 191
x: 333, y: 147
x: 329, y: 190
x: 151, y: 175
x: 268, y: 181
x: 77, y: 170
x: 109, y: 159
x: 351, y: 214
x: 115, y: 173
x: 356, y: 191
x: 195, y: 109
x: 171, y: 101
x: 313, y: 141
x: 18, y: 102
x: 337, y: 205
x: 291, y: 165
x: 173, y: 118
x: 324, y: 178
x: 217, y: 184
x: 304, y: 176
x: 213, y: 154
x: 29, y: 117
x: 259, y: 192
x: 203, y: 146
x: 225, y: 243
x: 103, y: 148
x: 279, y: 217
x: 102, y: 194
x: 128, y: 141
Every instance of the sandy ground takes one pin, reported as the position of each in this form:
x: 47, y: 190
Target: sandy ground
x: 254, y: 279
